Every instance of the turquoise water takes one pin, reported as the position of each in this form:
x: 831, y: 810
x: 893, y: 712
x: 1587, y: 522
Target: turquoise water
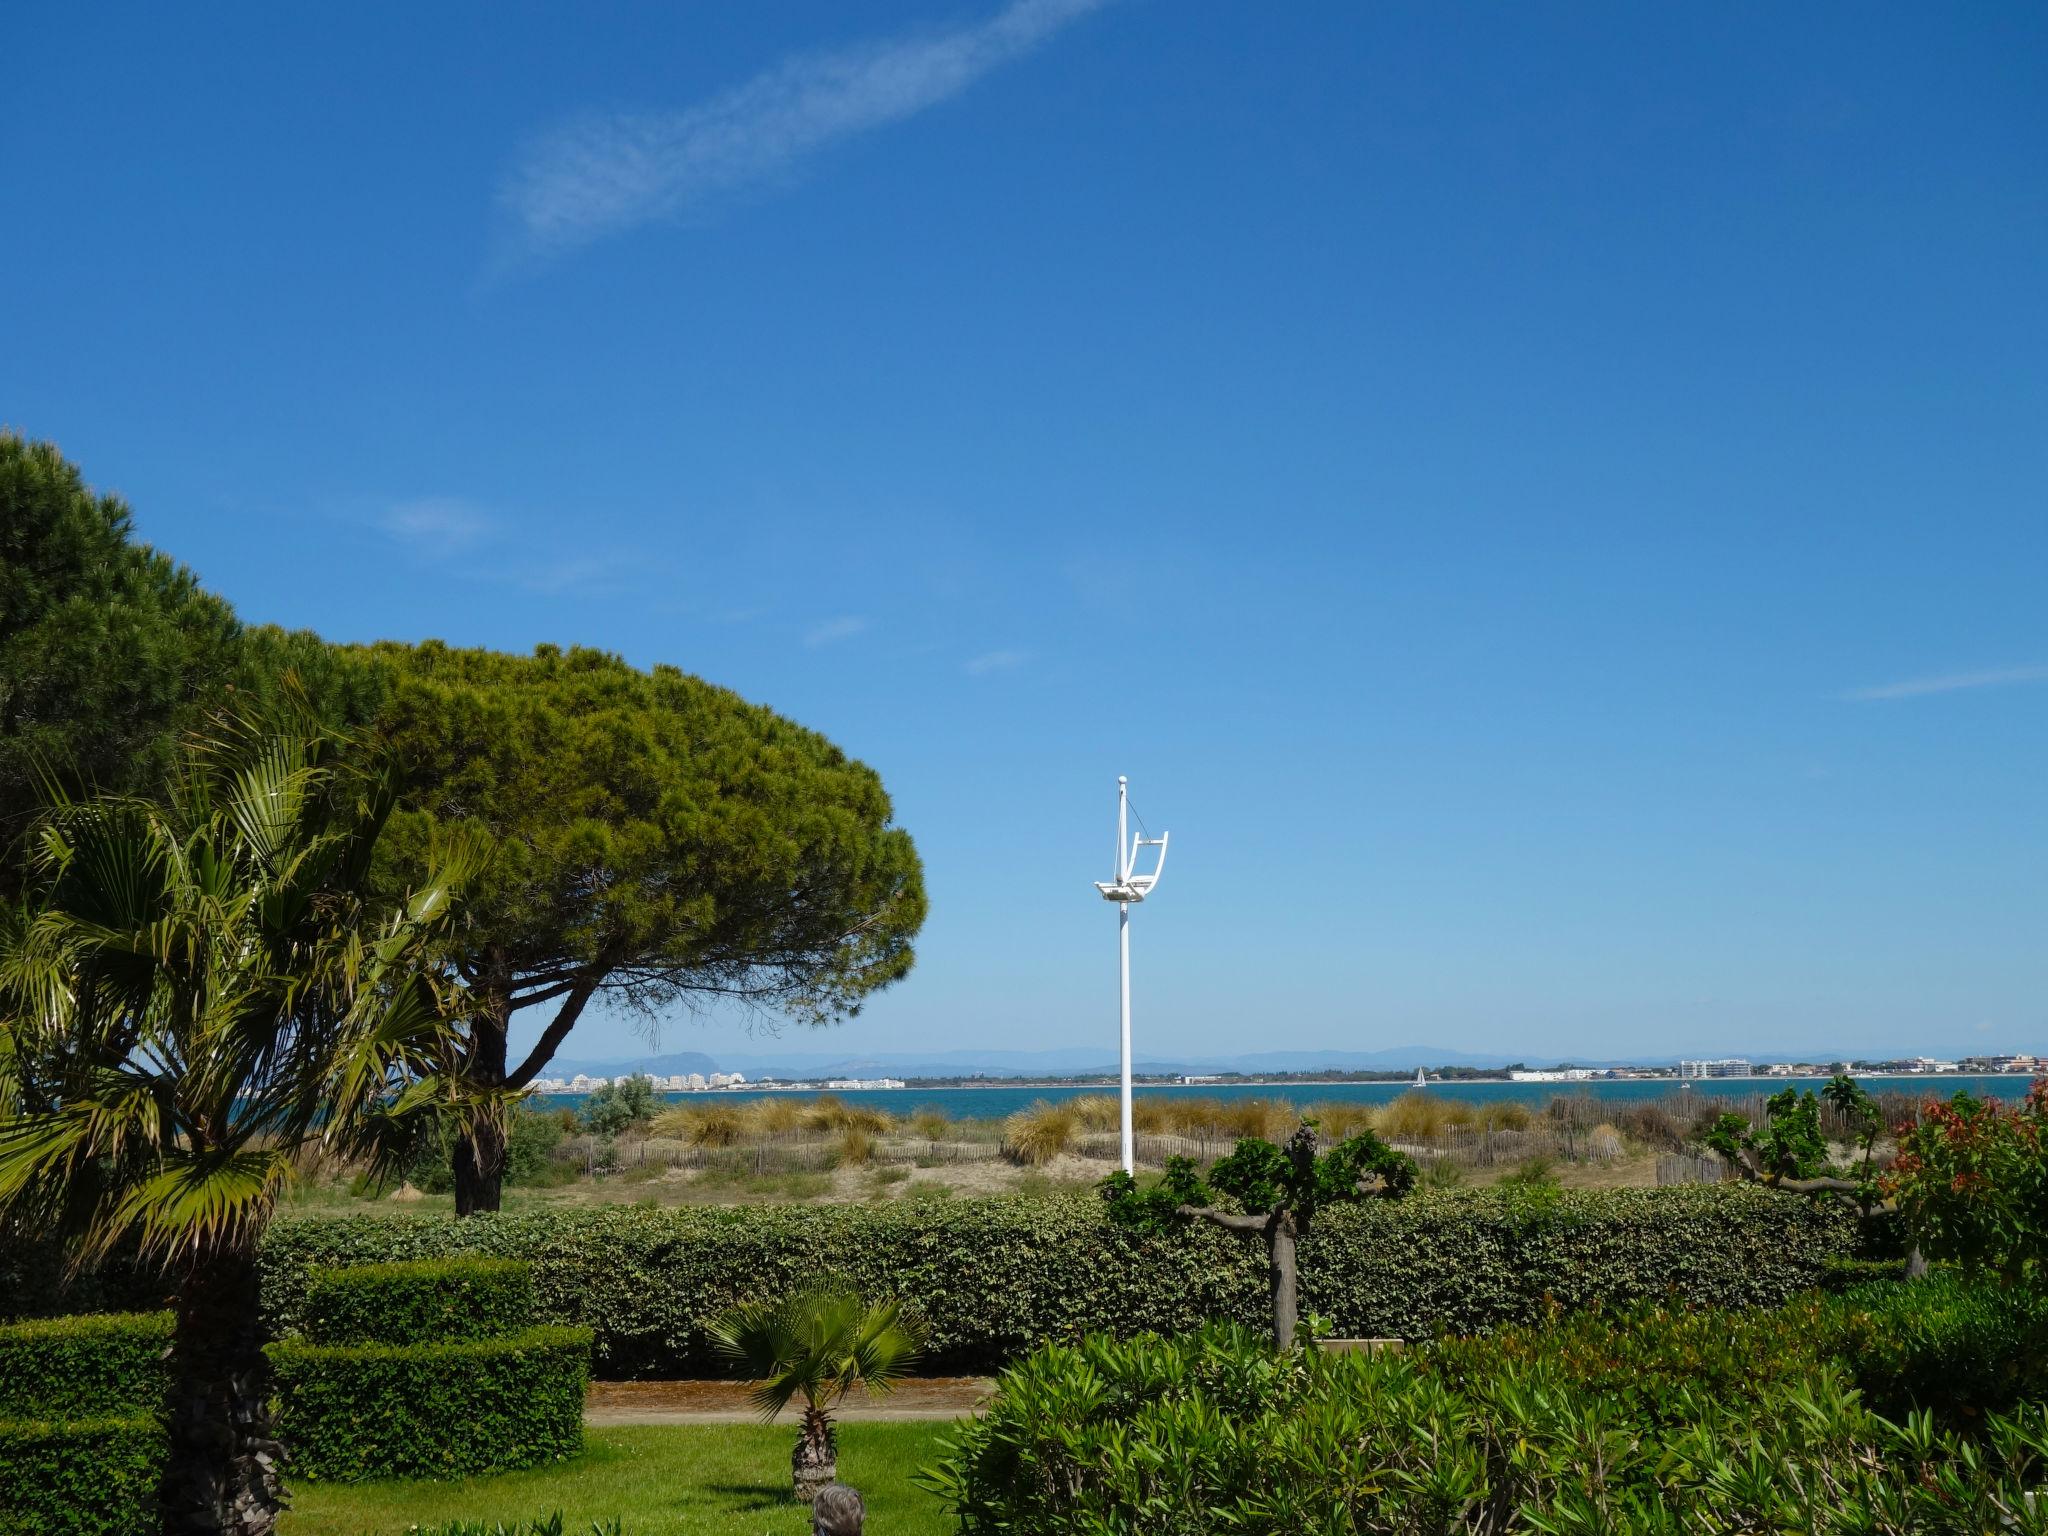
x: 994, y: 1102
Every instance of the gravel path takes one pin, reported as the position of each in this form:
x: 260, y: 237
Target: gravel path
x: 725, y: 1402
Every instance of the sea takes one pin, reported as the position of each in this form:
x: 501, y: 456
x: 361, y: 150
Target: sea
x: 995, y: 1100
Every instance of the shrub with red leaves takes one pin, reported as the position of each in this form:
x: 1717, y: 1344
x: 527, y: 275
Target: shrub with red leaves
x: 1972, y: 1181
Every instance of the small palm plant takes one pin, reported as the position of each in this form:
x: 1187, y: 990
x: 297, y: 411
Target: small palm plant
x: 819, y: 1345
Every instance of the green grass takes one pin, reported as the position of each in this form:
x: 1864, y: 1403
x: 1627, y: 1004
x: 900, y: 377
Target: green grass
x: 672, y: 1480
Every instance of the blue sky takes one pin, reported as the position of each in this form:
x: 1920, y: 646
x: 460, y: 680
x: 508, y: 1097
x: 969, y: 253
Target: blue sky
x: 1548, y: 503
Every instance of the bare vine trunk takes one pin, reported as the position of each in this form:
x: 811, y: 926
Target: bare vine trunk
x: 1281, y: 1276
x: 223, y: 1477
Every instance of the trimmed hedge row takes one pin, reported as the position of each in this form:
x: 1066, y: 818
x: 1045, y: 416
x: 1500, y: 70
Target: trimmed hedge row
x: 114, y: 1364
x: 353, y: 1411
x: 36, y: 1280
x: 84, y: 1477
x: 419, y: 1301
x: 995, y: 1277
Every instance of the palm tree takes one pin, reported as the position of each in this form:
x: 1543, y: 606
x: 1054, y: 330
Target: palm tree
x: 820, y: 1345
x: 196, y: 994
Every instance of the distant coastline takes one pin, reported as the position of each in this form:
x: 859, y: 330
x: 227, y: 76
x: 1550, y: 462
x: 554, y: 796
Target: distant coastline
x: 2022, y: 1068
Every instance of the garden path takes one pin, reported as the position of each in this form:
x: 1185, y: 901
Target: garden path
x: 725, y: 1402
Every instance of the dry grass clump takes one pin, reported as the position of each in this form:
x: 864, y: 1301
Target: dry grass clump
x: 1503, y: 1115
x: 703, y: 1125
x: 1416, y: 1114
x: 1652, y: 1124
x: 1204, y: 1118
x: 829, y: 1112
x: 1274, y: 1119
x: 1100, y: 1112
x: 774, y: 1116
x: 1151, y: 1115
x: 1037, y: 1135
x: 929, y: 1123
x: 856, y: 1147
x: 1341, y: 1119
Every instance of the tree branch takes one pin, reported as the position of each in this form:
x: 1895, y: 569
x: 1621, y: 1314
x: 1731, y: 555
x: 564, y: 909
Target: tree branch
x: 556, y: 1032
x: 1750, y: 1168
x: 1227, y: 1219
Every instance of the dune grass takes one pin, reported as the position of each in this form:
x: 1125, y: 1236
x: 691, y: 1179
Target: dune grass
x: 670, y: 1480
x: 1037, y: 1135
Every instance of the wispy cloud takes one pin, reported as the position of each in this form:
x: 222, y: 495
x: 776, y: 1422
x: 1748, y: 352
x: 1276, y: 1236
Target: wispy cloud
x: 476, y: 544
x: 832, y: 631
x: 438, y: 526
x: 1953, y: 682
x: 600, y: 175
x: 994, y: 661
x: 577, y: 576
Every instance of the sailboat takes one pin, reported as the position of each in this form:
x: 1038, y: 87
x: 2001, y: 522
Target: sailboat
x: 1420, y: 1080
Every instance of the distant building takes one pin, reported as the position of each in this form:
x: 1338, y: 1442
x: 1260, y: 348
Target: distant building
x: 860, y: 1083
x: 1554, y: 1075
x: 1726, y: 1066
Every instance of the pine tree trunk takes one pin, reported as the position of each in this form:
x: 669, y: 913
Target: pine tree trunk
x: 480, y: 1168
x: 480, y: 1150
x: 223, y: 1477
x: 1280, y: 1274
x: 815, y: 1461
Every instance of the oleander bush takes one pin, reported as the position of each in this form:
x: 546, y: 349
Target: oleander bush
x: 1950, y: 1344
x: 1215, y: 1434
x: 418, y: 1301
x: 95, y: 1476
x: 353, y: 1411
x: 996, y: 1277
x: 109, y: 1365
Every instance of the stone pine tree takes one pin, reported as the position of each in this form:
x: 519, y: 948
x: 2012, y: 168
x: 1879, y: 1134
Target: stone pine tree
x: 660, y: 842
x: 1276, y: 1190
x: 107, y: 648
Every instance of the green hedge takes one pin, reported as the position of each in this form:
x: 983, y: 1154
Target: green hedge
x: 85, y: 1477
x: 347, y: 1412
x: 115, y: 1364
x: 419, y: 1301
x: 36, y: 1280
x: 995, y: 1277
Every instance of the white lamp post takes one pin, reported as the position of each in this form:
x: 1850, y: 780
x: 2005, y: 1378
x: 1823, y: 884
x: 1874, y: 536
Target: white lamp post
x: 1126, y: 888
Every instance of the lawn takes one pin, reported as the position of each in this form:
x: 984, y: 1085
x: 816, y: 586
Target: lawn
x: 681, y: 1480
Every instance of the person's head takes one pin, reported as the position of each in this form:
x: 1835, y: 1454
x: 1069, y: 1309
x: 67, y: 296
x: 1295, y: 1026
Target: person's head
x: 837, y: 1511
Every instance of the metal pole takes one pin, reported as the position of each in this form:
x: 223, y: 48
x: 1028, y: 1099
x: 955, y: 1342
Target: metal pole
x: 1123, y: 958
x: 1123, y: 945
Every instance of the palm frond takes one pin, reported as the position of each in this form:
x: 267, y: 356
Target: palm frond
x: 199, y: 989
x: 819, y: 1344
